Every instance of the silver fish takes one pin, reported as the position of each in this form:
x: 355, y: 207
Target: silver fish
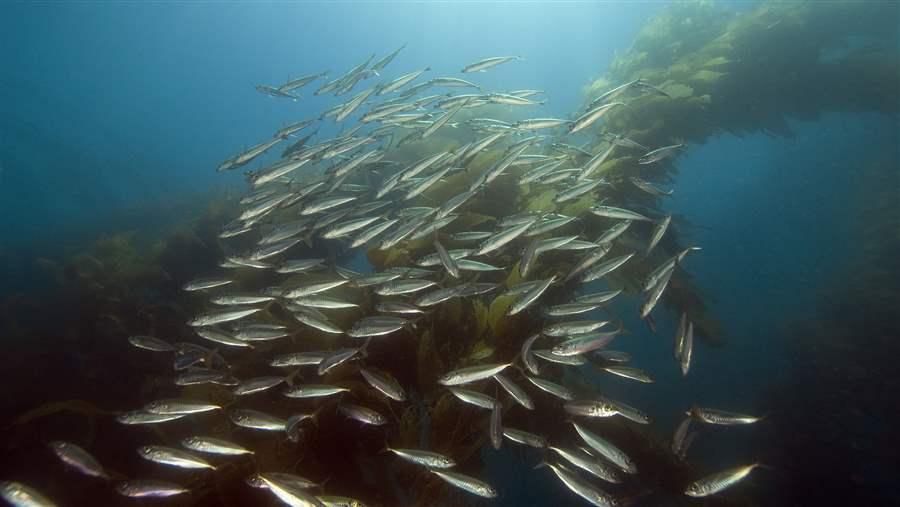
x: 496, y: 426
x: 399, y: 307
x: 648, y: 187
x: 588, y: 260
x: 336, y: 359
x: 256, y: 420
x: 149, y: 488
x: 569, y: 360
x: 222, y: 338
x: 179, y: 407
x: 719, y: 481
x: 221, y: 316
x: 661, y: 270
x: 398, y: 83
x: 588, y: 118
x: 655, y: 293
x: 527, y: 357
x: 598, y: 297
x: 288, y: 493
x: 151, y: 343
x: 256, y: 385
x: 526, y: 438
x: 384, y: 383
x: 516, y: 392
x: 482, y: 65
x: 553, y: 388
x: 606, y: 268
x: 79, y: 459
x: 141, y: 417
x: 362, y: 414
x: 312, y: 318
x: 446, y: 260
x: 471, y: 374
x: 720, y: 417
x: 372, y: 232
x: 323, y: 301
x: 583, y: 488
x: 589, y: 464
x: 173, y: 457
x: 425, y: 458
x: 659, y: 229
x: 378, y: 325
x: 22, y: 495
x: 466, y: 483
x: 313, y: 288
x: 299, y: 359
x: 618, y: 213
x: 582, y: 344
x: 687, y: 349
x: 530, y: 297
x: 607, y: 449
x: 205, y: 284
x: 439, y: 296
x: 679, y: 438
x: 470, y: 265
x: 567, y: 309
x: 314, y: 391
x: 573, y: 328
x: 212, y: 445
x: 591, y: 408
x: 474, y: 397
x: 659, y: 154
x: 577, y: 190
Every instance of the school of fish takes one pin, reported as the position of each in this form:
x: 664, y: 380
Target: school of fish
x: 351, y: 190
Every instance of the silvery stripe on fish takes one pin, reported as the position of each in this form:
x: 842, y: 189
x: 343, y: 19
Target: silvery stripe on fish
x: 211, y: 445
x: 149, y: 488
x: 618, y: 213
x: 572, y: 328
x: 568, y: 360
x: 151, y: 343
x: 721, y: 417
x: 313, y: 391
x: 582, y: 344
x: 384, y: 383
x: 313, y: 288
x: 179, y: 407
x: 205, y: 284
x: 141, y: 417
x: 425, y: 458
x: 659, y: 154
x: 173, y: 457
x: 471, y: 374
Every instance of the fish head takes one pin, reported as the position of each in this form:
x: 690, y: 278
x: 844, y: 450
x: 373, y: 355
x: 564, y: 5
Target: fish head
x: 694, y: 490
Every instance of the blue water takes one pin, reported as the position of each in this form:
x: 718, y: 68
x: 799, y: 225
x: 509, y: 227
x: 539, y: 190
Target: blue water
x: 115, y: 115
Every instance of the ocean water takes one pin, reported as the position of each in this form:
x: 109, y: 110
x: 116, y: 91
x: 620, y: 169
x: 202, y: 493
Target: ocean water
x: 116, y: 115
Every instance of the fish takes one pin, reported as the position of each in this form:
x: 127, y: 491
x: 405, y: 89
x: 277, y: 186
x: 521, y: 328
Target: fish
x: 314, y: 391
x: 256, y: 420
x: 499, y: 239
x: 679, y: 447
x: 687, y: 349
x: 659, y: 154
x: 300, y: 82
x: 173, y: 457
x: 425, y: 458
x: 240, y: 299
x: 335, y: 359
x: 661, y: 270
x: 659, y: 229
x: 345, y: 228
x: 583, y: 488
x: 471, y: 374
x: 570, y: 360
x: 629, y: 373
x: 466, y: 483
x: 206, y: 284
x: 149, y: 488
x: 378, y: 325
x: 141, y: 417
x: 474, y: 397
x: 719, y: 481
x: 76, y: 457
x: 618, y: 213
x: 384, y: 61
x: 211, y: 445
x: 487, y: 63
x: 588, y: 260
x: 553, y: 388
x: 591, y: 408
x: 566, y: 309
x: 311, y: 358
x: 597, y: 468
x: 22, y: 495
x: 606, y: 449
x: 221, y: 316
x: 222, y: 338
x: 598, y: 297
x: 257, y: 385
x: 582, y: 344
x: 446, y: 260
x: 362, y: 414
x: 179, y: 407
x: 339, y: 501
x: 525, y: 438
x: 293, y: 480
x: 527, y: 357
x: 323, y: 301
x: 655, y: 294
x: 399, y: 82
x: 288, y: 493
x: 316, y: 320
x: 648, y: 187
x: 313, y: 288
x: 539, y: 123
x: 453, y: 82
x: 372, y: 232
x: 438, y: 296
x: 384, y: 383
x: 516, y: 392
x: 720, y: 417
x: 606, y: 268
x: 151, y: 343
x: 530, y: 297
x: 588, y: 118
x: 572, y: 328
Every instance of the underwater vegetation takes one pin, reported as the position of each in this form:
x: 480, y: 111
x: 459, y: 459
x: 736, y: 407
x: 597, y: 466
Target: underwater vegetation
x: 707, y: 73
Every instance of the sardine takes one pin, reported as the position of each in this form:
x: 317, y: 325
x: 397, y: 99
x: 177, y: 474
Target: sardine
x: 173, y: 457
x: 211, y: 445
x: 425, y: 458
x: 466, y: 483
x: 76, y: 457
x: 719, y: 481
x: 471, y: 374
